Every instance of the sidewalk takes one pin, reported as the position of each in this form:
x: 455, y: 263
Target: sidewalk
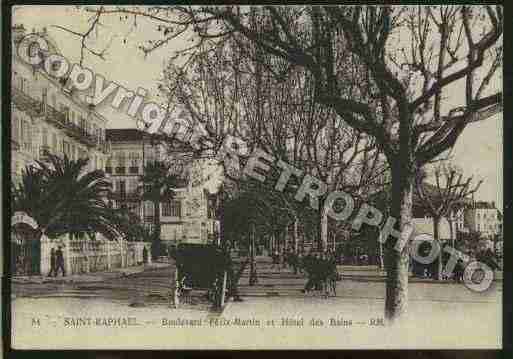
x: 89, y: 277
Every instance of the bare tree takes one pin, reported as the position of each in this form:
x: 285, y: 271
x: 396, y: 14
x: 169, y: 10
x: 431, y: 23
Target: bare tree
x: 444, y: 46
x: 450, y: 190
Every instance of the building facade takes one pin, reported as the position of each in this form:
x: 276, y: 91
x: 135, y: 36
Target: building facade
x: 187, y: 217
x: 48, y: 118
x: 484, y: 218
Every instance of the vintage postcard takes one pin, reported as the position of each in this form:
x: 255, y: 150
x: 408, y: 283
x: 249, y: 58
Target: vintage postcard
x: 256, y: 177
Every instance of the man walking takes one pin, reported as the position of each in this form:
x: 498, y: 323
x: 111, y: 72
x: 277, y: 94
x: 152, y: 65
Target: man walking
x: 52, y: 263
x: 59, y: 261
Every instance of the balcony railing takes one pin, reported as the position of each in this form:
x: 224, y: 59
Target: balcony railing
x: 124, y: 195
x: 134, y: 170
x: 120, y: 170
x: 55, y: 117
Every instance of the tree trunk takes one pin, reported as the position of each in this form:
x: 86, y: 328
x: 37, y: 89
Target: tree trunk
x: 221, y: 239
x: 296, y: 238
x: 381, y: 263
x: 156, y: 229
x: 436, y: 237
x: 323, y: 224
x: 253, y: 279
x: 451, y: 229
x: 396, y: 262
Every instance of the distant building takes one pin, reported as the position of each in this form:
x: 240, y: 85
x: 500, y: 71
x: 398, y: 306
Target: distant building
x: 449, y: 225
x: 483, y: 217
x: 189, y: 216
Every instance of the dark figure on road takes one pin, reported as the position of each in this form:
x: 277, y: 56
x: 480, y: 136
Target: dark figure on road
x: 332, y: 275
x: 299, y: 263
x: 276, y: 259
x: 52, y: 263
x: 293, y: 260
x: 285, y: 259
x: 145, y: 255
x: 312, y: 268
x: 59, y: 261
x: 459, y: 269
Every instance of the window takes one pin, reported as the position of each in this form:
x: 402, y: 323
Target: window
x: 134, y: 159
x: 54, y: 142
x: 32, y: 50
x: 95, y: 133
x: 148, y: 209
x: 82, y: 123
x: 25, y: 135
x: 136, y: 209
x: 211, y: 210
x: 45, y: 137
x: 121, y: 159
x: 134, y: 162
x: 82, y: 153
x: 15, y: 129
x: 120, y: 169
x: 172, y: 209
x: 108, y: 165
x: 66, y: 148
x: 121, y: 187
x: 65, y: 111
x: 23, y: 84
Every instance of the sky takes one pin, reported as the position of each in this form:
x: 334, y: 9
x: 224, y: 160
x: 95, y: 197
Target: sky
x: 478, y: 150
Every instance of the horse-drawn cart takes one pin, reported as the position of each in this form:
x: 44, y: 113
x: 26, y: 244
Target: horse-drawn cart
x: 201, y: 267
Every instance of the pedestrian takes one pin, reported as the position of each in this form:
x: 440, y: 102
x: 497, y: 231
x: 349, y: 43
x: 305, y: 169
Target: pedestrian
x: 317, y: 270
x: 285, y: 259
x: 276, y: 259
x: 145, y: 255
x: 299, y: 262
x: 52, y: 263
x: 333, y: 275
x: 308, y: 265
x: 294, y: 262
x: 59, y: 261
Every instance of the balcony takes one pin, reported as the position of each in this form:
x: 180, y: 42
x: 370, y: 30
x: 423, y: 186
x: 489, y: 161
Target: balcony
x: 133, y: 170
x: 34, y: 107
x: 108, y: 170
x: 149, y: 219
x: 26, y: 103
x: 123, y: 195
x: 120, y: 170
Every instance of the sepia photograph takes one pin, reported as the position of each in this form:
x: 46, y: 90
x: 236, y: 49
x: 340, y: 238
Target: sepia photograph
x: 255, y: 177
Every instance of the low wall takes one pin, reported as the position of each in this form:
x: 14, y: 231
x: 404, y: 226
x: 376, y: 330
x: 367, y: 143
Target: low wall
x: 85, y: 256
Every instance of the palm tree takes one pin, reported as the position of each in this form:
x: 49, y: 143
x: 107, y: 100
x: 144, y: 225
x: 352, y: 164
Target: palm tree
x: 64, y: 198
x: 159, y: 183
